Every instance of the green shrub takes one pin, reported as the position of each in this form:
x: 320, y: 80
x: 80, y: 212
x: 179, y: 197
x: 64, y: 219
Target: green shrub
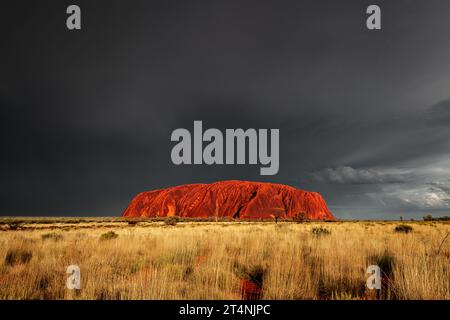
x: 109, y: 235
x: 403, y: 228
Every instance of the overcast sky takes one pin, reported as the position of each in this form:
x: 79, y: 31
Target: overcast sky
x: 86, y: 116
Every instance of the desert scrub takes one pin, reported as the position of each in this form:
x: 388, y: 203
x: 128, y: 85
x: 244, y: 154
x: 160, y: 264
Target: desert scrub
x: 15, y: 256
x: 52, y: 236
x: 109, y: 235
x: 171, y: 221
x: 300, y: 217
x: 14, y: 226
x: 320, y: 231
x: 403, y: 228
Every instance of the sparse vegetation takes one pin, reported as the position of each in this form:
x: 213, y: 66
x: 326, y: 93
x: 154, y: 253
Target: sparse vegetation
x: 172, y: 221
x: 52, y: 236
x: 431, y: 218
x: 205, y: 260
x: 300, y: 217
x: 13, y: 226
x: 320, y: 231
x: 403, y: 228
x: 109, y: 235
x: 15, y: 256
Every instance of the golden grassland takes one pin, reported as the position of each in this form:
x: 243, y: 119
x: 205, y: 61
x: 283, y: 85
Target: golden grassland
x: 217, y: 260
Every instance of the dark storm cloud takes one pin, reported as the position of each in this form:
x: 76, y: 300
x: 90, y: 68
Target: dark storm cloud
x: 441, y: 185
x: 86, y: 116
x: 439, y: 114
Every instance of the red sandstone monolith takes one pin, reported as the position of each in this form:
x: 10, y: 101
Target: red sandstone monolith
x: 234, y: 199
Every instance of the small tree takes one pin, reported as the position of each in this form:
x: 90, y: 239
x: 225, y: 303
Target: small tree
x: 277, y: 213
x: 274, y: 217
x: 300, y: 217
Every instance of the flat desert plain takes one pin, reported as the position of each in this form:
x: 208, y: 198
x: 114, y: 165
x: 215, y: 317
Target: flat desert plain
x: 169, y: 259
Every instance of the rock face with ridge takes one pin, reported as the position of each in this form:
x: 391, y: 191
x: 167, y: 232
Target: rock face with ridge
x: 234, y: 199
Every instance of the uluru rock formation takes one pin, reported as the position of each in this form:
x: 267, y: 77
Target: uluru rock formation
x: 235, y: 199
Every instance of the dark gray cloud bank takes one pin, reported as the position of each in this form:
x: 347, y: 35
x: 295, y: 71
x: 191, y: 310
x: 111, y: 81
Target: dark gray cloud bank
x: 364, y: 117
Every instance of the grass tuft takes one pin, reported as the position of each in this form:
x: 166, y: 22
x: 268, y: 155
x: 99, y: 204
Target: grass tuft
x: 17, y: 256
x: 52, y: 236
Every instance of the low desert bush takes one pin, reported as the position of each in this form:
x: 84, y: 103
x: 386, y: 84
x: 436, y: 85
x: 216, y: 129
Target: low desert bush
x: 320, y: 231
x: 14, y: 226
x: 403, y: 228
x: 109, y: 235
x: 171, y: 221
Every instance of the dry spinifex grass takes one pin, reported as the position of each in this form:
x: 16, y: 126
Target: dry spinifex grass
x: 227, y: 261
